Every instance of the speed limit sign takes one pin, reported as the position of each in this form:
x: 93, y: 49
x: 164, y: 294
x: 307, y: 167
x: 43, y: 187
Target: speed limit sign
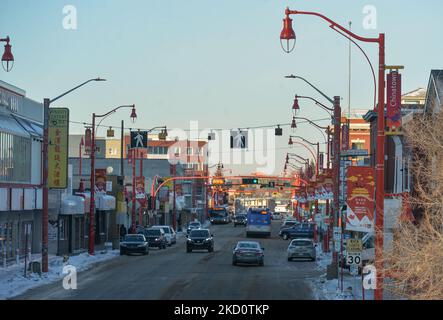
x: 353, y: 258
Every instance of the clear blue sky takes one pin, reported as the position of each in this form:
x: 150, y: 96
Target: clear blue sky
x: 218, y: 62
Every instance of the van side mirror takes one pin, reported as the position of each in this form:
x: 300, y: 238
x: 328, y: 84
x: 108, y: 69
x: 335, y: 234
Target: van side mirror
x: 212, y: 235
x: 263, y: 248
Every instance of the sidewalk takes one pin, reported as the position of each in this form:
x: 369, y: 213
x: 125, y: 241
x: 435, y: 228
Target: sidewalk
x: 331, y: 289
x: 13, y: 282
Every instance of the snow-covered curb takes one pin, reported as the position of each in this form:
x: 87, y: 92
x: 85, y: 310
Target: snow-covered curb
x: 13, y: 282
x: 331, y: 289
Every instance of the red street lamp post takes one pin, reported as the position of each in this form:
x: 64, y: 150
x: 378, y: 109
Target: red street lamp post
x: 7, y: 57
x: 92, y: 156
x: 45, y: 208
x: 288, y: 34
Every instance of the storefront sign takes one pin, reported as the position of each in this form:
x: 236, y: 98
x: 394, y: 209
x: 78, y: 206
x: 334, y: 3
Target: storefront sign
x: 58, y: 148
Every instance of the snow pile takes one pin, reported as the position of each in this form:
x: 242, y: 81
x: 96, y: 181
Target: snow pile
x: 331, y: 289
x: 13, y: 282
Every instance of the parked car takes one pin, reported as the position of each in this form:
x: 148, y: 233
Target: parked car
x: 276, y: 216
x: 134, y: 243
x: 200, y: 239
x: 156, y: 237
x: 193, y: 225
x: 289, y: 223
x: 302, y: 248
x: 171, y: 236
x: 248, y: 252
x: 303, y: 230
x: 240, y: 219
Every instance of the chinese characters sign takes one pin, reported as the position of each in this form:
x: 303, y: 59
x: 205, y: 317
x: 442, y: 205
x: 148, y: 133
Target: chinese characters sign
x: 58, y: 148
x: 360, y: 200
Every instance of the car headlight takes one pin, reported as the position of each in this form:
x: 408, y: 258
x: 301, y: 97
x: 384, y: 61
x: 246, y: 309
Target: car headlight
x: 156, y: 239
x: 208, y: 239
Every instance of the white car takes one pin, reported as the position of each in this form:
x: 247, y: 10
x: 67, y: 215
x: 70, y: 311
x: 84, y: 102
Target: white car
x: 171, y: 236
x: 276, y: 216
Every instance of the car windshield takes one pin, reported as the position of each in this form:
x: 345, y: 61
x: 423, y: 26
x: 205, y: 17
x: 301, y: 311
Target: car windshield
x: 153, y: 232
x: 194, y: 224
x: 134, y: 238
x: 200, y: 233
x: 248, y: 245
x: 165, y: 229
x: 301, y: 243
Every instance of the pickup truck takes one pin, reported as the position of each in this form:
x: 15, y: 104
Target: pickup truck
x: 303, y: 230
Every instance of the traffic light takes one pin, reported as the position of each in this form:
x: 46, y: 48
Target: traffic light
x: 249, y: 181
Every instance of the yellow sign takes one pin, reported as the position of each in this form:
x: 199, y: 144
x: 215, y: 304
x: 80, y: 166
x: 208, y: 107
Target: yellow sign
x: 218, y: 181
x: 354, y: 245
x: 58, y: 148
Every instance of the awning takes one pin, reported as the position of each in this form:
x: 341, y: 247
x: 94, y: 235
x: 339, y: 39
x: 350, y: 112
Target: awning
x: 34, y: 129
x: 11, y: 126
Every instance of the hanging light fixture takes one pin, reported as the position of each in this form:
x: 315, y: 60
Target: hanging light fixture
x: 8, y: 57
x: 110, y: 133
x: 133, y: 114
x: 290, y: 141
x: 287, y: 34
x: 295, y: 106
x: 293, y: 124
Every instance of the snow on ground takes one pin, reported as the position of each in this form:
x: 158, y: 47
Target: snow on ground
x: 13, y: 282
x: 332, y: 289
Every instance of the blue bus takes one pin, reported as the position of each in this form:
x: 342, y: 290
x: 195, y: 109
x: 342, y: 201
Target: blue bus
x: 219, y: 215
x: 258, y: 222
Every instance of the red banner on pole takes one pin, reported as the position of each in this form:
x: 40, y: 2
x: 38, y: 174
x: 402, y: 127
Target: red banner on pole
x: 345, y: 137
x: 393, y: 114
x: 360, y: 199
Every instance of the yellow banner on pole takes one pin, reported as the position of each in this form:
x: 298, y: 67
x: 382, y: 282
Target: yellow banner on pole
x: 58, y: 148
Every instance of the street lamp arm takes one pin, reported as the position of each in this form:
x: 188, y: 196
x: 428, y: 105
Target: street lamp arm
x: 159, y: 127
x: 114, y: 110
x: 312, y: 123
x: 333, y: 25
x: 296, y: 155
x: 298, y: 161
x: 314, y: 87
x: 298, y: 137
x: 80, y: 85
x: 329, y: 110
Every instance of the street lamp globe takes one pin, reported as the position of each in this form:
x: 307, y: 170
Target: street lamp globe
x: 287, y: 34
x: 293, y: 124
x: 133, y: 114
x: 8, y: 57
x: 295, y: 106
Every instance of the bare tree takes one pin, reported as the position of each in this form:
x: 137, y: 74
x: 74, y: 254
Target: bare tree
x: 415, y: 261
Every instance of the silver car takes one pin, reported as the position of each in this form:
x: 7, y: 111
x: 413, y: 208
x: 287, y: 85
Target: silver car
x: 248, y: 252
x: 302, y: 249
x: 171, y: 237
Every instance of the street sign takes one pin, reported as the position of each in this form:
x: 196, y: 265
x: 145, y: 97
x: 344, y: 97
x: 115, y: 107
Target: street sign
x: 239, y: 139
x: 354, y: 153
x: 337, y: 234
x: 58, y: 148
x: 353, y: 258
x: 139, y: 139
x: 353, y: 270
x: 218, y: 181
x: 354, y: 245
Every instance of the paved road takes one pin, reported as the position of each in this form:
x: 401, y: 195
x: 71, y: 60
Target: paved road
x: 175, y: 274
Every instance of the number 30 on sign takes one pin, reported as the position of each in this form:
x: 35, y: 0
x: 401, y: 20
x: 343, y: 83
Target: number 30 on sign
x: 353, y: 258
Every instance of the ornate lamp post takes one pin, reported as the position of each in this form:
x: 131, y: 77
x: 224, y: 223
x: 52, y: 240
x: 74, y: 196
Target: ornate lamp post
x: 288, y: 35
x: 7, y: 57
x: 92, y: 156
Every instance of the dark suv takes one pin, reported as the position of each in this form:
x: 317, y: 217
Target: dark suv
x: 240, y: 219
x: 200, y: 239
x: 156, y: 238
x: 303, y: 230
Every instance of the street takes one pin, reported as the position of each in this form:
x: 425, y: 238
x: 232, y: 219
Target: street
x: 175, y: 274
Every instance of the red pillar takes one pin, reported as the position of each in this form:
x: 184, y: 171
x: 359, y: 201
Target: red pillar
x: 133, y: 226
x: 336, y: 166
x: 92, y: 188
x: 379, y: 172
